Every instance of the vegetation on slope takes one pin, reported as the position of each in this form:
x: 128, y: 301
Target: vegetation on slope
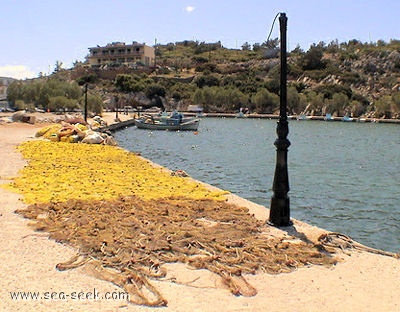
x: 351, y: 78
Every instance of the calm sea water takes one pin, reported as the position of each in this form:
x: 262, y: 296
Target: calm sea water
x: 344, y: 177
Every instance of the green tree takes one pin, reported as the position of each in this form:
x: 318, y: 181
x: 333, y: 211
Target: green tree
x: 246, y: 46
x: 302, y: 104
x: 14, y: 92
x: 396, y: 102
x: 20, y: 105
x: 224, y: 99
x: 185, y: 90
x: 315, y: 103
x: 207, y: 67
x: 90, y: 78
x: 44, y: 96
x: 328, y: 90
x: 94, y: 103
x: 123, y: 82
x: 293, y: 100
x: 339, y: 104
x: 256, y: 47
x: 62, y: 103
x: 228, y: 99
x: 198, y: 98
x: 131, y: 83
x: 39, y: 92
x: 312, y: 59
x: 297, y: 50
x: 265, y: 101
x: 207, y: 81
x: 383, y: 106
x: 57, y: 67
x: 30, y: 92
x: 72, y: 90
x: 155, y: 90
x: 357, y: 108
x: 273, y: 82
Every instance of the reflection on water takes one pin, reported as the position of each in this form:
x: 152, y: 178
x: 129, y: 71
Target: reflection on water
x: 344, y: 177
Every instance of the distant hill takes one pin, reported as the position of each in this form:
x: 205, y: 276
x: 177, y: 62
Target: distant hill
x: 350, y: 78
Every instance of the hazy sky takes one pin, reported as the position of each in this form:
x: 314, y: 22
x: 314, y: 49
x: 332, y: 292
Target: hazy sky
x: 37, y: 33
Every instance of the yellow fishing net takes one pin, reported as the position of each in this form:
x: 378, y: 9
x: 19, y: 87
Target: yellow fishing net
x: 62, y: 171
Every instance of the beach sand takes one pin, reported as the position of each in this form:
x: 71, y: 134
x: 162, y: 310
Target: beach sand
x: 363, y: 281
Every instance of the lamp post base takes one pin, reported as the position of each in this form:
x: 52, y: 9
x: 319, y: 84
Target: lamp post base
x: 279, y: 214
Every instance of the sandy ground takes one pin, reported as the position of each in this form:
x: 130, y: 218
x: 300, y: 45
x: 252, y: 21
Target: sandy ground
x: 362, y: 282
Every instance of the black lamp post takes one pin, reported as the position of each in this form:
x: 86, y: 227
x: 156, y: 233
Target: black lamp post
x: 85, y: 108
x: 116, y: 99
x: 280, y: 205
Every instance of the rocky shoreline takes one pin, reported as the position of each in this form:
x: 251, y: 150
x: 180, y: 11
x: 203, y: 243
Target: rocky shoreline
x: 111, y: 118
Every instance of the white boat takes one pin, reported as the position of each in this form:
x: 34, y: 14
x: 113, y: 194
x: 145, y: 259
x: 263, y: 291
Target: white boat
x: 347, y: 118
x: 174, y: 122
x: 303, y: 117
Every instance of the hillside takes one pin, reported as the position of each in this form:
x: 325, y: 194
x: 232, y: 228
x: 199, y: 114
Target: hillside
x: 352, y: 78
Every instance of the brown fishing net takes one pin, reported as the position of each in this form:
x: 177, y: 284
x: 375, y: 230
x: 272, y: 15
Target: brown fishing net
x: 127, y: 241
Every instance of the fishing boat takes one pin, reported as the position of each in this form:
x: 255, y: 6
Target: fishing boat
x: 347, y: 118
x: 303, y: 117
x: 173, y: 122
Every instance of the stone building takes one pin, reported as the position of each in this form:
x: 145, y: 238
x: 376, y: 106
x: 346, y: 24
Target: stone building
x: 119, y: 53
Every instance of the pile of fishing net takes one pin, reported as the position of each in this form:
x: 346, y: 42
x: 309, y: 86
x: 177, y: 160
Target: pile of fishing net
x: 74, y: 133
x: 128, y: 240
